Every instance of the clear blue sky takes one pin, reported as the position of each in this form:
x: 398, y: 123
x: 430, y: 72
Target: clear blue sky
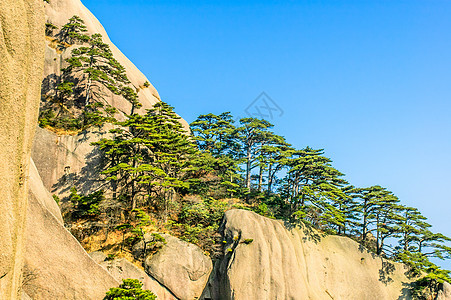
x: 368, y: 81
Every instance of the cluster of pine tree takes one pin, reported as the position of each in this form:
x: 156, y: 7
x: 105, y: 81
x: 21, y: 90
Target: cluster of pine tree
x: 303, y: 186
x: 76, y: 98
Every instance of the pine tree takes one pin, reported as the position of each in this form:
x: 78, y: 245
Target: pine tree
x: 412, y: 224
x: 277, y: 156
x: 94, y: 69
x: 350, y: 208
x: 74, y: 31
x: 314, y: 189
x: 129, y: 289
x: 252, y: 134
x: 148, y: 155
x: 215, y: 133
x: 269, y: 153
x: 387, y: 221
x: 79, y: 100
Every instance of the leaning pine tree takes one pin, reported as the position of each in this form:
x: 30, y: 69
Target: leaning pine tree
x: 73, y: 31
x: 95, y: 70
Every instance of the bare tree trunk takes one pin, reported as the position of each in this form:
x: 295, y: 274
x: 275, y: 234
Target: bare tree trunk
x: 260, y: 179
x: 269, y: 179
x: 88, y: 90
x: 377, y: 235
x: 248, y: 170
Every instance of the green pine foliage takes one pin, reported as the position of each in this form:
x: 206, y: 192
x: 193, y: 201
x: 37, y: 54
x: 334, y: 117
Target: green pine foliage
x: 198, y: 223
x: 85, y: 206
x: 50, y: 28
x: 129, y: 289
x: 148, y: 157
x: 74, y: 31
x: 79, y: 99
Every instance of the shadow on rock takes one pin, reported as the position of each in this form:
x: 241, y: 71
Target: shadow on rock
x: 386, y: 270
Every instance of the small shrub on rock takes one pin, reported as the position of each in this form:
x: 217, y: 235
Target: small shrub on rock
x: 130, y: 289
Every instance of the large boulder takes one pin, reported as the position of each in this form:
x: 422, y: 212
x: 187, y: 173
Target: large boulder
x: 181, y: 267
x: 123, y: 269
x: 21, y: 66
x: 266, y: 259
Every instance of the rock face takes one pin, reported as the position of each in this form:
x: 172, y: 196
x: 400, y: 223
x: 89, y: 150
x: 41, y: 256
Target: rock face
x: 41, y: 194
x: 58, y: 13
x: 123, y: 269
x: 56, y: 265
x: 21, y: 65
x: 181, y: 267
x: 266, y: 260
x: 445, y: 292
x: 64, y: 161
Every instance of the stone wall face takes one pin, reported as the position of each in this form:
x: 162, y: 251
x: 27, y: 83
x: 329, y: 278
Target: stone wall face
x: 21, y: 69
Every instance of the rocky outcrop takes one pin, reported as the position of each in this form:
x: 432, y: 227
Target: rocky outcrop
x: 266, y: 259
x: 123, y: 269
x: 39, y: 192
x: 64, y: 161
x: 178, y: 270
x: 56, y: 265
x: 181, y: 267
x: 21, y: 65
x: 445, y: 292
x: 58, y: 13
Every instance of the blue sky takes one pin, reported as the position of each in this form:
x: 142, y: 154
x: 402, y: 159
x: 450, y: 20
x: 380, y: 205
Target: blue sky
x: 368, y: 81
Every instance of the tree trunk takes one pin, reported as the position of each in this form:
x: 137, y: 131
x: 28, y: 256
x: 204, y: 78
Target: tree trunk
x: 379, y: 252
x: 88, y: 89
x: 260, y: 179
x: 377, y: 235
x: 364, y: 232
x: 269, y: 179
x: 248, y: 169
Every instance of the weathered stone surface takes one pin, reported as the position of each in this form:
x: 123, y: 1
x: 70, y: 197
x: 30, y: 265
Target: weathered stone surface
x: 21, y: 66
x: 292, y: 263
x: 41, y: 194
x: 64, y: 161
x: 59, y: 266
x: 445, y: 292
x: 181, y: 267
x: 123, y: 269
x: 25, y: 296
x: 59, y: 12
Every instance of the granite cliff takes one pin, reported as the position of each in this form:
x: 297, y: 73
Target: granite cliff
x: 21, y: 65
